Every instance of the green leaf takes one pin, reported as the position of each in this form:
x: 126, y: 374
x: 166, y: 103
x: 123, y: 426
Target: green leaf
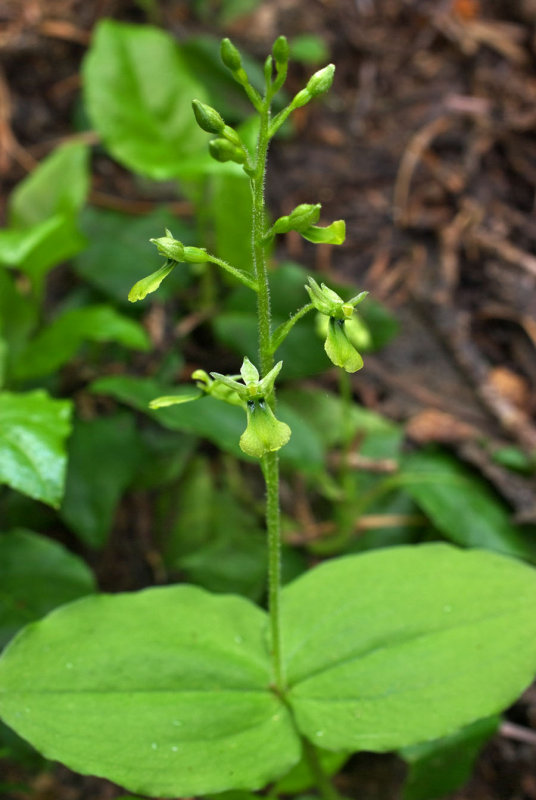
x: 219, y: 422
x: 309, y: 49
x: 211, y: 538
x: 39, y: 247
x: 58, y: 186
x: 119, y: 251
x: 396, y: 646
x: 42, y: 213
x: 461, y: 505
x: 60, y: 341
x: 138, y: 91
x: 103, y: 457
x: 33, y: 430
x: 332, y: 234
x: 36, y: 575
x: 165, y: 692
x: 442, y: 766
x: 18, y: 314
x: 231, y: 211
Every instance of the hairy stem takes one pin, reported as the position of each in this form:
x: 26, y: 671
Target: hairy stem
x: 270, y: 461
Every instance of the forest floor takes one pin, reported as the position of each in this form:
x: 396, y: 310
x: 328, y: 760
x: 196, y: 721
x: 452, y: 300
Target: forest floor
x: 427, y: 148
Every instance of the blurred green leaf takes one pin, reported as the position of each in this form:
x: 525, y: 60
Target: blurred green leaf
x: 36, y: 249
x: 58, y: 186
x: 213, y: 539
x: 33, y: 430
x: 36, y: 575
x: 104, y: 454
x: 515, y: 459
x: 18, y: 314
x: 119, y: 251
x: 166, y: 455
x: 138, y: 91
x: 231, y: 212
x: 42, y: 213
x: 60, y: 341
x: 309, y: 48
x: 461, y: 505
x: 444, y: 765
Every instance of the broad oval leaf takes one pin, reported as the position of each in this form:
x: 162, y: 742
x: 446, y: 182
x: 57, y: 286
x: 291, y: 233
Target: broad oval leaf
x: 165, y: 691
x: 33, y: 430
x: 396, y: 646
x: 138, y: 91
x: 36, y: 575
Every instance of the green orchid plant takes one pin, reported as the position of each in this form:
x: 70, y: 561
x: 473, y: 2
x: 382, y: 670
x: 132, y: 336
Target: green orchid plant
x: 177, y: 692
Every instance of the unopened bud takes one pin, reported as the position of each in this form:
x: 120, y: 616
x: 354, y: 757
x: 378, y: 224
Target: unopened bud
x: 230, y: 55
x: 304, y: 215
x: 321, y: 81
x: 169, y: 247
x: 223, y: 150
x: 208, y: 118
x: 280, y: 50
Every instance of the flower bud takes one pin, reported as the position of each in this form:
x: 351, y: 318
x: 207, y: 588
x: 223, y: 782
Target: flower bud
x: 321, y: 81
x: 208, y: 118
x: 301, y: 218
x: 280, y: 51
x: 230, y: 55
x: 304, y: 215
x: 264, y: 433
x: 169, y: 247
x: 223, y: 150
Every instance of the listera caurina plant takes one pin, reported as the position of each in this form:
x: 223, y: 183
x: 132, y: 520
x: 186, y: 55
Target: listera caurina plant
x: 174, y: 691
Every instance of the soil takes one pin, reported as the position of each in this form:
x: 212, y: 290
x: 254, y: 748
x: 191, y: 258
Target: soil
x: 427, y: 148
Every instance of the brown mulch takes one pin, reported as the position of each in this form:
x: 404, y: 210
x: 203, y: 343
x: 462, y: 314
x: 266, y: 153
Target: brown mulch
x: 427, y: 147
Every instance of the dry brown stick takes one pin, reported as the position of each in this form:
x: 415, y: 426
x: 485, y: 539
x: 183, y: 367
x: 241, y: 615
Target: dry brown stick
x: 418, y: 144
x: 503, y: 248
x: 517, y: 732
x: 368, y: 522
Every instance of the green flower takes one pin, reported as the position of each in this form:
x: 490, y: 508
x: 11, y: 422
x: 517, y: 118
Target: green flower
x: 264, y: 433
x: 340, y: 350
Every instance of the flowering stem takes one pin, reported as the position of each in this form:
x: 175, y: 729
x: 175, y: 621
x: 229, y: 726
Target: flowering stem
x: 270, y: 461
